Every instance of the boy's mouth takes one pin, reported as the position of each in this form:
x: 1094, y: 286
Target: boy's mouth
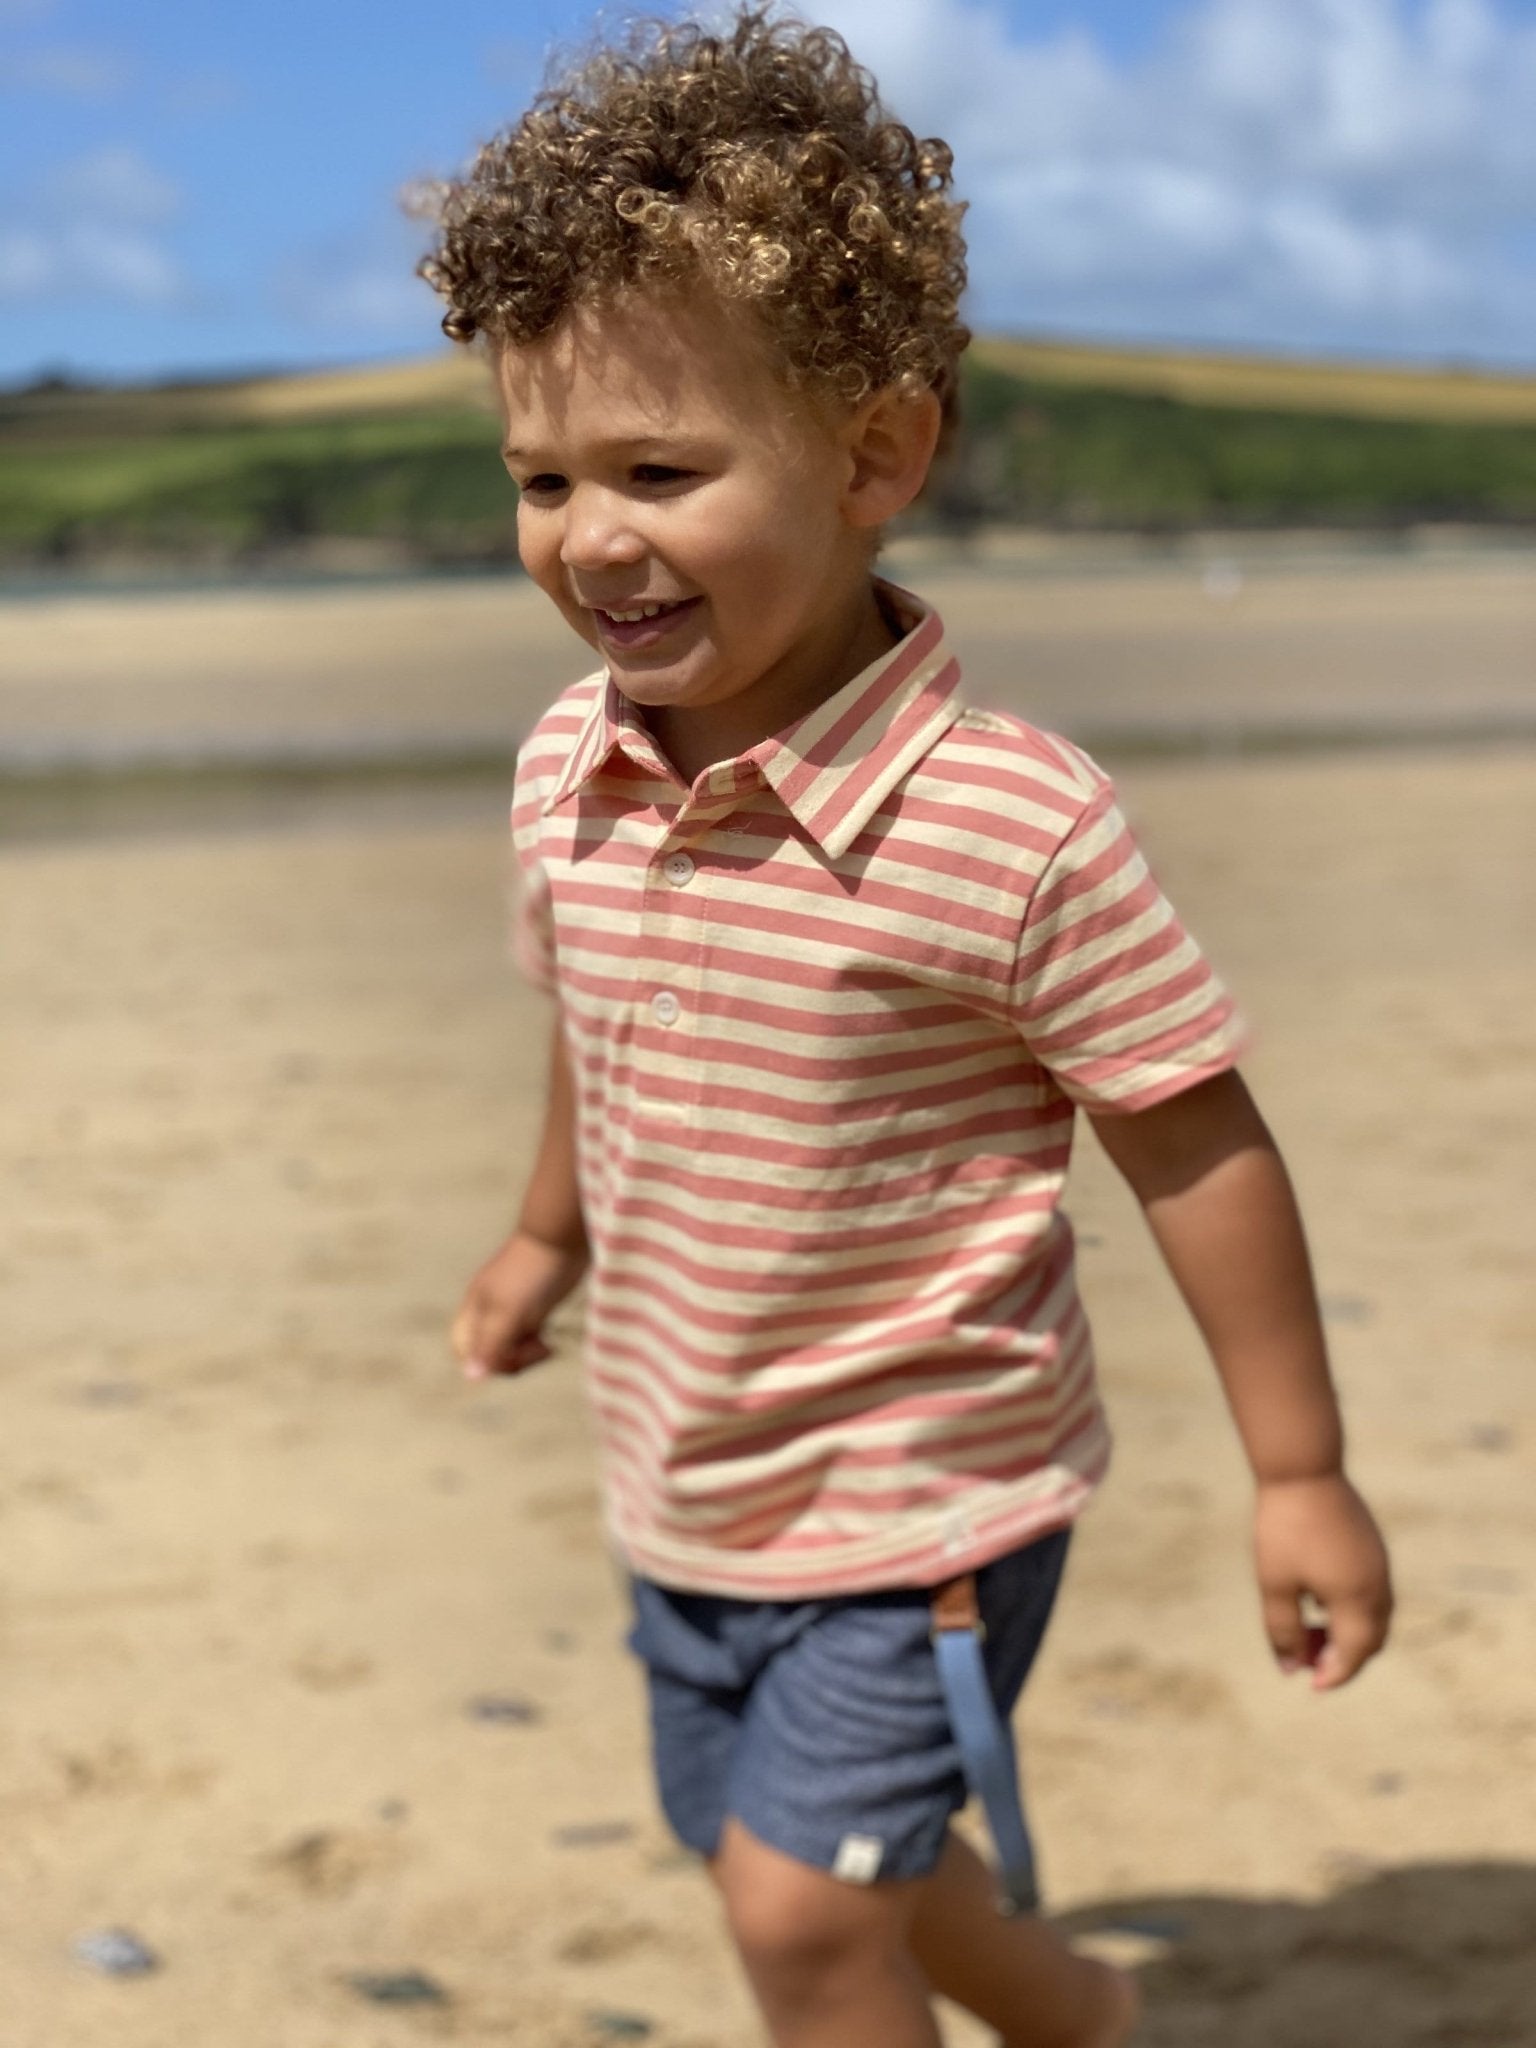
x: 639, y: 625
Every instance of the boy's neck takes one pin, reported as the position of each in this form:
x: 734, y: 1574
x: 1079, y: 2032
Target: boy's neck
x: 695, y: 737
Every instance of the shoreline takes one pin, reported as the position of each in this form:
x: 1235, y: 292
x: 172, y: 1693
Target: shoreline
x: 184, y: 770
x: 1010, y: 550
x: 1138, y: 654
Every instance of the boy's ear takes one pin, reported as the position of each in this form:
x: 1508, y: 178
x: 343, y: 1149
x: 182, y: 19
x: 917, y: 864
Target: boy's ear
x: 890, y: 441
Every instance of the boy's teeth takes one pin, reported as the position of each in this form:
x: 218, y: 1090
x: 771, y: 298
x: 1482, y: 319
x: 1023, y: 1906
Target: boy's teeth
x: 646, y: 611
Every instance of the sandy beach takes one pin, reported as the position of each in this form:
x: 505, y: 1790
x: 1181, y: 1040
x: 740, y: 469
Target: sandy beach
x: 1204, y: 644
x: 311, y: 1662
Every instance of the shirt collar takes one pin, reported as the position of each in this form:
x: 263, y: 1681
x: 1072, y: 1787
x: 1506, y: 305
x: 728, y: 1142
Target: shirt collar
x: 833, y: 768
x: 611, y: 722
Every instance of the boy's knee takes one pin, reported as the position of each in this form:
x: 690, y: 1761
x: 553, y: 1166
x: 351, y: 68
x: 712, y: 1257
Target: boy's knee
x: 802, y: 1925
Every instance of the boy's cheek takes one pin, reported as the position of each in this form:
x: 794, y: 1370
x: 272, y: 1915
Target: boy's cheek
x: 550, y: 578
x: 582, y: 622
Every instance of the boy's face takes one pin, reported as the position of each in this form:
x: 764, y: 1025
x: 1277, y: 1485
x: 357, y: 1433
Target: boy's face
x: 687, y: 516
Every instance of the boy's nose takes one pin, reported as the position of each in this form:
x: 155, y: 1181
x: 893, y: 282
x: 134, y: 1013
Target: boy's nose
x: 598, y: 532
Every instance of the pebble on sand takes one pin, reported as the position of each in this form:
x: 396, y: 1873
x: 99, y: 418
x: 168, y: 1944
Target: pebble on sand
x: 593, y: 1834
x: 111, y: 1393
x: 116, y: 1952
x: 1167, y: 1927
x: 1490, y: 1436
x: 505, y: 1709
x: 621, y: 2026
x: 399, y: 1987
x: 1346, y: 1308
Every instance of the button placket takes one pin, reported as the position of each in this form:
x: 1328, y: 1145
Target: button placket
x: 667, y: 1081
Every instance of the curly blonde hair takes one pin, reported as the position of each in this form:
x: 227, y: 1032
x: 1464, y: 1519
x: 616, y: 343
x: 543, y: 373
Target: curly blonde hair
x: 756, y: 158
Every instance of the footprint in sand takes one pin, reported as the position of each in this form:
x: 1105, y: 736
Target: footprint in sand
x: 600, y: 1941
x: 1123, y: 1683
x: 328, y: 1862
x: 117, y: 1769
x: 327, y: 1670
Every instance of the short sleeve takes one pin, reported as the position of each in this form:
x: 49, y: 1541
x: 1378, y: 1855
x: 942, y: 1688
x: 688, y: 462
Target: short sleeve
x: 532, y: 909
x: 1110, y: 993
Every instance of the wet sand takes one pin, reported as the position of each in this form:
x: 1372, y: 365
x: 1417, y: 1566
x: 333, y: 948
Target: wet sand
x: 1207, y: 645
x: 269, y: 1087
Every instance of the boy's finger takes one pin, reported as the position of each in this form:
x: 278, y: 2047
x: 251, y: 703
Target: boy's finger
x: 504, y: 1356
x: 461, y: 1334
x: 1286, y: 1629
x: 474, y: 1341
x: 1355, y: 1634
x: 530, y: 1351
x: 475, y: 1344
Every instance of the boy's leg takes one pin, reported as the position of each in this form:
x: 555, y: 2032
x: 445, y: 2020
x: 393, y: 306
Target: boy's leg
x: 846, y: 1735
x: 1014, y: 1973
x: 819, y: 1955
x: 829, y: 1962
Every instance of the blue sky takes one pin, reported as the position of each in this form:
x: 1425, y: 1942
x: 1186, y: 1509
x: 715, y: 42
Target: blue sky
x: 191, y: 188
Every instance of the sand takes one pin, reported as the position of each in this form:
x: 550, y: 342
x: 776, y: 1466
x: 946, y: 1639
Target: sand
x: 267, y: 1090
x: 1213, y: 643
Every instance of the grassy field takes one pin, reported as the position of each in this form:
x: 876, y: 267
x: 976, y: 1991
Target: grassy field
x: 1262, y: 383
x: 223, y: 488
x: 402, y: 455
x: 1082, y: 456
x: 1273, y: 383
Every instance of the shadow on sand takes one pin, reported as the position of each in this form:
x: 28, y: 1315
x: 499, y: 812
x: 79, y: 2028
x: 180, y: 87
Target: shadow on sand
x: 1426, y: 1956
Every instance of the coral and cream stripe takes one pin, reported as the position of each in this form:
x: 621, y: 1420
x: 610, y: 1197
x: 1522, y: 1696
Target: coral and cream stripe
x: 830, y: 1012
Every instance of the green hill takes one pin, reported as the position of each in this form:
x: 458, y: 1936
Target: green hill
x: 1073, y: 455
x: 402, y: 458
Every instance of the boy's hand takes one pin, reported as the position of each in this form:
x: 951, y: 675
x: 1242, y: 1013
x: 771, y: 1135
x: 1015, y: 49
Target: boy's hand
x: 499, y: 1323
x: 1315, y: 1538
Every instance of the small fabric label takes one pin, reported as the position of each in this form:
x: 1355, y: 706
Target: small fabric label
x: 858, y: 1859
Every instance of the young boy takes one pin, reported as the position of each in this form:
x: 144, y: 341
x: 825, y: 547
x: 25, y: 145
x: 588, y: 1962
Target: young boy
x: 835, y: 958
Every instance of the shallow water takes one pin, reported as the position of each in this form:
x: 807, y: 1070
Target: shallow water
x: 1006, y: 553
x: 326, y: 699
x: 221, y: 803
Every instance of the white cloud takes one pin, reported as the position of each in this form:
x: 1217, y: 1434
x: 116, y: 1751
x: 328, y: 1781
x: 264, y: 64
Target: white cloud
x: 89, y: 231
x: 1356, y: 173
x: 76, y: 70
x: 26, y: 264
x: 113, y: 183
x: 126, y: 266
x: 210, y: 90
x: 364, y: 298
x: 361, y: 283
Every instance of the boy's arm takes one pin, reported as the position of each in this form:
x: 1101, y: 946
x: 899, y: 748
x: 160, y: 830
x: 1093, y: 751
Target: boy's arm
x: 1217, y: 1196
x: 498, y: 1328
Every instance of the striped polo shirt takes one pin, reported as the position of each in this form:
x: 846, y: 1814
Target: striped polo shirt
x: 829, y: 1012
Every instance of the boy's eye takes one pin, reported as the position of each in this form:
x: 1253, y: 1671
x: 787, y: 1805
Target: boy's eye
x: 545, y: 485
x: 659, y: 473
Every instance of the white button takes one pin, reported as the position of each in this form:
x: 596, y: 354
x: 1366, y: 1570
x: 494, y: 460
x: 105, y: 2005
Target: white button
x: 678, y: 869
x: 665, y: 1007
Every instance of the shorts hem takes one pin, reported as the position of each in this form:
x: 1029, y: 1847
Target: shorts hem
x: 915, y: 1857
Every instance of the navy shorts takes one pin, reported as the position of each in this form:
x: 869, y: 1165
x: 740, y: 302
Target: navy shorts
x: 821, y: 1724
